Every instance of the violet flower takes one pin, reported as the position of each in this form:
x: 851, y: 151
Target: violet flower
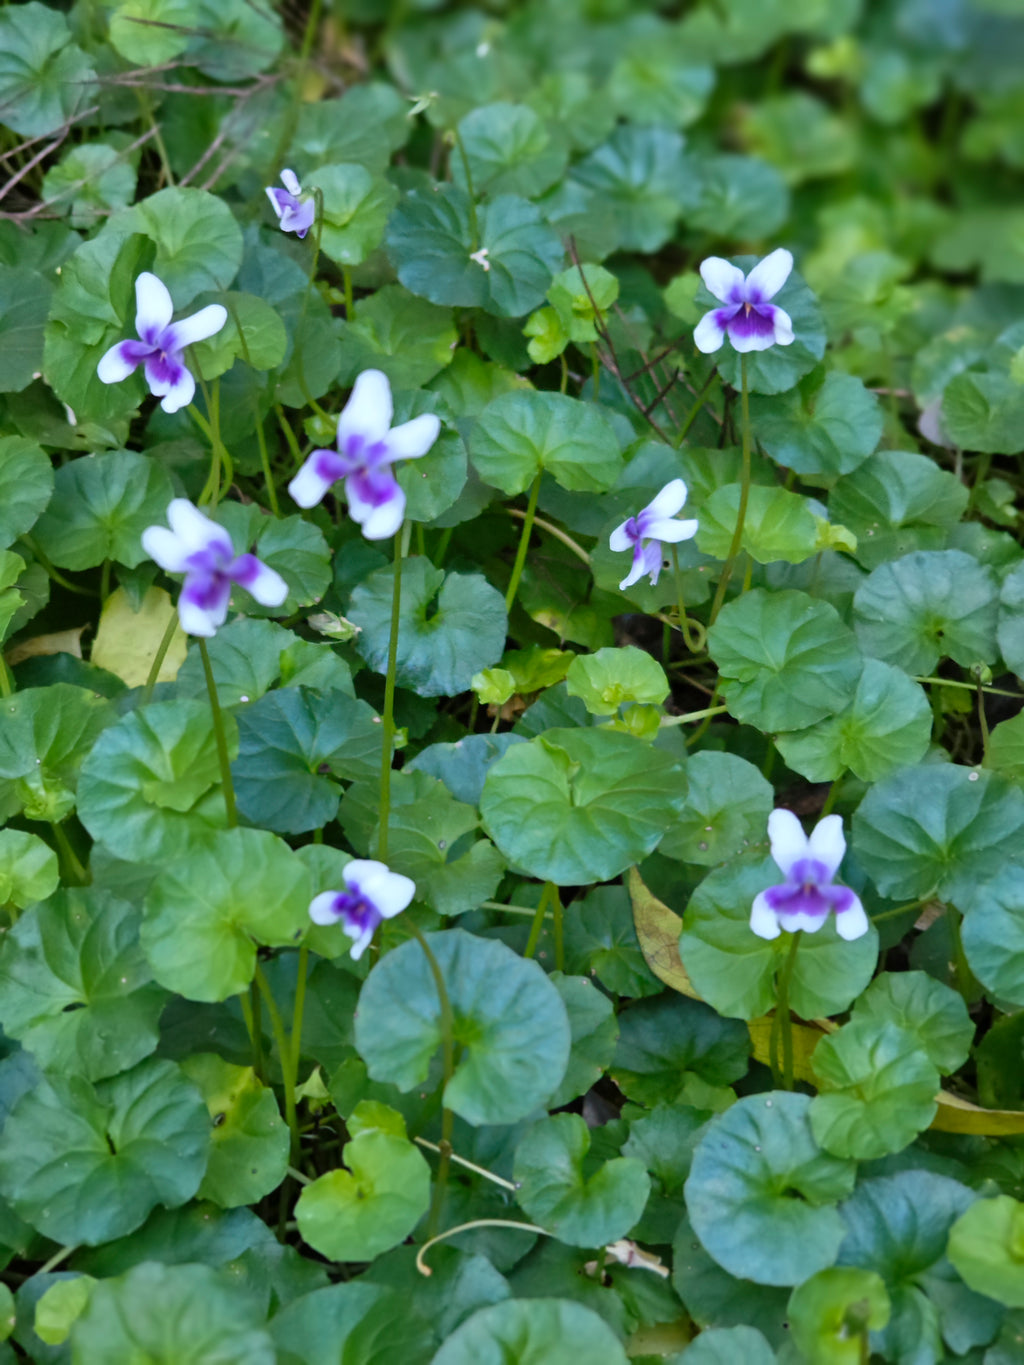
x: 295, y: 210
x: 749, y: 320
x: 655, y: 523
x: 804, y: 899
x: 367, y: 447
x: 202, y: 551
x: 159, y: 349
x: 372, y: 894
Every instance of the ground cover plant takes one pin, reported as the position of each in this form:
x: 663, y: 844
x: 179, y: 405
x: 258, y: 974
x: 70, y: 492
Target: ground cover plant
x: 511, y: 751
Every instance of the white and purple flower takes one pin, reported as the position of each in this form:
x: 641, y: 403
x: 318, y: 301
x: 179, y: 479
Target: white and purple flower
x: 202, y: 551
x: 804, y: 899
x: 295, y: 211
x: 372, y: 894
x: 654, y: 524
x: 367, y: 446
x: 748, y: 319
x: 160, y: 345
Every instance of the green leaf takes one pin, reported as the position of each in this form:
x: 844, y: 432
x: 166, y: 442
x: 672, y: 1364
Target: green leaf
x: 666, y: 1042
x: 726, y: 1346
x: 206, y: 914
x: 90, y: 182
x: 433, y: 483
x: 610, y: 677
x: 786, y: 659
x: 84, y: 1164
x: 1009, y: 632
x: 292, y: 546
x: 637, y: 179
x: 28, y: 869
x: 286, y: 741
x: 26, y: 483
x: 463, y: 765
x: 44, y: 77
x: 934, y: 1013
x: 827, y: 426
x: 594, y: 1032
x: 450, y: 626
x: 984, y: 411
x: 151, y: 32
x: 24, y: 307
x: 726, y: 810
x: 254, y: 333
x: 780, y: 367
x: 887, y: 726
x: 504, y: 267
x: 520, y: 435
x: 914, y: 611
x: 986, y: 1247
x: 601, y: 941
x: 894, y: 500
x: 152, y: 782
x: 233, y: 41
x: 579, y: 806
x: 778, y: 525
x: 580, y: 1206
x: 829, y: 1312
x: 245, y: 656
x: 188, y: 1314
x: 716, y: 1299
x: 762, y: 1195
x: 364, y: 126
x: 509, y: 151
x: 77, y: 991
x: 57, y: 1309
x: 937, y: 828
x: 732, y: 969
x: 249, y: 1148
x: 735, y: 197
x: 878, y: 1089
x: 408, y: 338
x: 356, y: 1214
x: 198, y: 241
x: 101, y: 506
x: 47, y: 732
x: 993, y: 929
x: 532, y: 1332
x: 356, y: 205
x: 508, y: 1017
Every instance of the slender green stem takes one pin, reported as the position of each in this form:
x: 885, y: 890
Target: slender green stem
x: 268, y: 475
x: 147, y: 112
x: 297, y: 1012
x: 71, y: 870
x: 865, y: 1347
x: 474, y: 227
x: 564, y: 381
x: 710, y: 711
x: 291, y: 120
x: 971, y: 687
x: 284, y: 1052
x: 833, y: 793
x: 556, y: 905
x: 58, y: 1258
x: 552, y: 530
x: 595, y: 369
x: 965, y: 982
x: 441, y: 549
x: 524, y: 545
x: 706, y: 714
x: 421, y: 1264
x: 159, y: 656
x: 289, y: 435
x: 983, y: 723
x: 470, y: 1165
x: 220, y: 737
x: 6, y: 681
x: 447, y: 1023
x: 105, y: 581
x: 300, y: 1176
x: 693, y: 632
x: 249, y: 1001
x: 691, y: 416
x: 350, y: 305
x: 898, y: 910
x: 782, y: 1014
x: 741, y: 514
x: 54, y: 574
x: 538, y: 919
x: 388, y: 718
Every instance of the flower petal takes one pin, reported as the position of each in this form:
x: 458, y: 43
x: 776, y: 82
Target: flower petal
x: 673, y: 531
x: 206, y: 323
x: 119, y: 362
x: 279, y: 200
x: 203, y: 617
x: 389, y: 892
x: 827, y: 843
x: 794, y: 920
x: 309, y: 485
x: 709, y: 333
x: 323, y: 909
x: 164, y: 548
x: 743, y: 342
x: 298, y: 218
x: 194, y: 530
x: 620, y: 538
x: 763, y: 920
x: 789, y: 843
x: 363, y: 939
x: 852, y: 922
x: 259, y: 579
x: 375, y: 501
x: 783, y: 326
x: 153, y: 306
x: 369, y: 409
x: 291, y: 182
x: 723, y: 279
x: 769, y: 275
x: 413, y: 439
x: 669, y: 501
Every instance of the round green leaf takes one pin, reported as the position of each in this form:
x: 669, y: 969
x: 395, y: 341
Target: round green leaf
x: 408, y: 338
x: 986, y: 1246
x: 90, y: 182
x: 44, y: 77
x: 609, y: 677
x: 762, y: 1195
x: 76, y: 989
x: 716, y: 1299
x: 878, y: 1090
x: 245, y: 656
x: 432, y: 483
x: 509, y: 151
x: 172, y: 1315
x: 28, y: 868
x: 786, y: 659
x: 101, y: 506
x: 45, y: 735
x: 827, y: 426
x: 780, y: 367
x: 983, y: 411
x: 726, y: 810
x: 829, y: 1312
x: 666, y: 1042
x: 250, y: 1143
x: 993, y: 933
x: 521, y: 434
x: 937, y: 828
x: 206, y: 914
x: 152, y: 781
x: 637, y: 180
x: 934, y: 1013
x: 356, y: 205
x: 579, y: 806
x: 24, y: 307
x: 726, y: 1346
x: 1010, y: 632
x: 601, y: 941
x: 887, y: 725
x: 892, y: 499
x: 198, y: 241
x: 778, y: 525
x: 587, y: 1209
x: 450, y: 626
x: 927, y: 606
x: 356, y: 1214
x: 735, y: 197
x: 253, y: 333
x: 532, y: 1332
x: 87, y: 1163
x: 594, y: 1031
x: 508, y: 1017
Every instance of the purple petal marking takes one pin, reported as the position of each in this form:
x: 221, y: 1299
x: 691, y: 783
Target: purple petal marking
x: 752, y: 321
x: 375, y: 487
x: 209, y: 592
x: 135, y: 352
x: 791, y: 900
x: 283, y: 200
x: 164, y: 369
x: 329, y: 466
x: 245, y: 570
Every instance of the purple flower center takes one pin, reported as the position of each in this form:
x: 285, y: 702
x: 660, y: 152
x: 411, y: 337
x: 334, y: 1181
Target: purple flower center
x: 358, y: 913
x: 808, y: 890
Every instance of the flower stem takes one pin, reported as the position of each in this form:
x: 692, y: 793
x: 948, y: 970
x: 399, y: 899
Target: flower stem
x: 447, y: 1023
x: 706, y: 714
x: 284, y: 1052
x: 388, y: 718
x: 551, y: 529
x: 524, y: 544
x: 474, y: 226
x: 965, y: 982
x: 698, y: 404
x: 741, y: 514
x: 782, y: 1025
x: 71, y: 870
x: 299, y: 1009
x: 268, y: 475
x: 692, y: 631
x: 350, y: 305
x: 249, y: 1002
x: 470, y: 1165
x: 220, y: 737
x: 556, y: 905
x: 6, y: 681
x: 538, y: 918
x: 424, y: 1269
x: 833, y: 793
x: 159, y: 656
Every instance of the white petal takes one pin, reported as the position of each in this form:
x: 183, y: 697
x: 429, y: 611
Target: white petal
x: 789, y: 843
x: 708, y: 335
x: 194, y: 530
x: 783, y: 327
x: 827, y: 843
x: 413, y: 439
x: 378, y: 523
x: 620, y: 538
x: 763, y: 920
x: 197, y: 620
x: 268, y: 587
x: 164, y: 548
x: 308, y: 487
x: 743, y: 344
x: 291, y: 182
x: 368, y: 410
x: 852, y: 922
x: 362, y: 941
x: 769, y: 275
x: 635, y: 574
x: 206, y: 323
x: 389, y: 891
x: 273, y: 201
x: 153, y: 306
x: 721, y: 278
x: 673, y: 531
x: 669, y: 501
x: 178, y: 395
x: 798, y: 919
x: 321, y: 908
x: 113, y: 367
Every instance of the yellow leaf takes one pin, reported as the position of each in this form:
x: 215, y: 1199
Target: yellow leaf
x: 127, y: 641
x: 658, y: 929
x: 60, y: 642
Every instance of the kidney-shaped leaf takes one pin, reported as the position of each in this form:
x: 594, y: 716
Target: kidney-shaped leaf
x: 520, y: 434
x: 532, y: 1332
